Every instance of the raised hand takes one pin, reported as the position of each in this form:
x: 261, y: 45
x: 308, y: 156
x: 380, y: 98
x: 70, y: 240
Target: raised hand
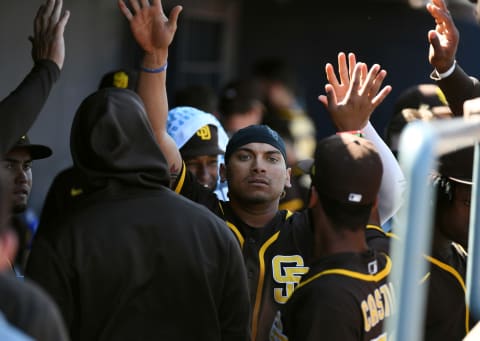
x: 444, y: 39
x: 152, y: 30
x: 351, y: 101
x: 344, y: 72
x: 49, y: 26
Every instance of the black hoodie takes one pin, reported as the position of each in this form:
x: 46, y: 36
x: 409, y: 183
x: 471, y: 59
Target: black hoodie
x: 136, y: 261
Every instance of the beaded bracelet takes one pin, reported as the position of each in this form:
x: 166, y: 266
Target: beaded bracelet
x: 160, y: 69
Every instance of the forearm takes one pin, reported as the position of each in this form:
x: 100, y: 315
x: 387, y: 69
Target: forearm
x: 458, y: 87
x: 21, y: 107
x: 393, y: 179
x: 152, y: 90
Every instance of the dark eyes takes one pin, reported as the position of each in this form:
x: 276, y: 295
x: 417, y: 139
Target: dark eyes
x: 11, y: 165
x: 247, y: 157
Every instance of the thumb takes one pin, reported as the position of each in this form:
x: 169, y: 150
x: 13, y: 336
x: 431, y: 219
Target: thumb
x: 330, y: 98
x: 174, y: 13
x: 434, y: 39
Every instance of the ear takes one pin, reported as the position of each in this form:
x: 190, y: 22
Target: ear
x: 312, y: 197
x: 8, y: 249
x: 223, y: 172
x: 288, y: 182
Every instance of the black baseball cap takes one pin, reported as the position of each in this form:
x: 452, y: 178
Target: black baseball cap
x: 458, y: 165
x: 347, y: 169
x: 37, y: 151
x: 203, y: 142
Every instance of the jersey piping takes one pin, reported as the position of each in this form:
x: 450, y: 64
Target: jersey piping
x: 378, y: 228
x: 353, y: 274
x: 460, y: 280
x: 181, y: 179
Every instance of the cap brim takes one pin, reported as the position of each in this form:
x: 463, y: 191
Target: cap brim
x: 38, y: 151
x: 194, y: 152
x: 462, y: 181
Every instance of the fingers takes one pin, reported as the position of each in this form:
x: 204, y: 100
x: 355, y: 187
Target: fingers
x: 135, y: 5
x: 356, y: 81
x: 331, y: 77
x: 57, y: 10
x: 374, y: 78
x: 352, y: 61
x: 37, y: 23
x: 174, y: 13
x: 125, y: 10
x: 329, y: 100
x: 381, y: 96
x: 434, y: 40
x: 440, y: 3
x: 343, y: 71
x: 323, y: 99
x: 60, y: 29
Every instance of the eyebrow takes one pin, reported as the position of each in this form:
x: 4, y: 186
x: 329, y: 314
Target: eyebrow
x: 17, y: 161
x: 273, y: 151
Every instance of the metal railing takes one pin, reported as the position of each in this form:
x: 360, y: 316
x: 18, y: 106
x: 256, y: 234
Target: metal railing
x: 421, y: 144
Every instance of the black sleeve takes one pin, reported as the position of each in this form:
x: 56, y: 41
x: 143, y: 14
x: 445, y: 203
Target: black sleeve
x: 459, y: 87
x: 49, y: 271
x: 21, y: 107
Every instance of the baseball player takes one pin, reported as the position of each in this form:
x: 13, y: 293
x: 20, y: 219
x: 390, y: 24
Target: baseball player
x: 346, y: 294
x: 447, y: 316
x: 276, y: 245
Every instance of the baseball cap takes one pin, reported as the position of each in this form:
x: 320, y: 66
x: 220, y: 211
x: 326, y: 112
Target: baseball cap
x: 255, y: 133
x: 203, y: 142
x: 424, y: 102
x: 37, y: 151
x: 457, y: 166
x: 121, y: 78
x: 347, y: 169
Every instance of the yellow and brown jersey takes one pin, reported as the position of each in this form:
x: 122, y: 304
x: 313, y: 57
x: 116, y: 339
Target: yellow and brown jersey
x: 276, y: 256
x: 345, y: 296
x: 447, y: 315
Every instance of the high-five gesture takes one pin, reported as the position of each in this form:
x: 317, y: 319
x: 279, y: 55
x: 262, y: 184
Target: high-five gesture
x: 444, y: 39
x: 351, y: 101
x: 49, y: 25
x: 152, y: 30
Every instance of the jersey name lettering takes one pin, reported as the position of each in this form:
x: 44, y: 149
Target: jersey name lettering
x: 287, y: 271
x: 377, y: 306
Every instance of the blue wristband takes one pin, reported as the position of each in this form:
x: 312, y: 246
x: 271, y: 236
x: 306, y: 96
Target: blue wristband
x: 160, y: 69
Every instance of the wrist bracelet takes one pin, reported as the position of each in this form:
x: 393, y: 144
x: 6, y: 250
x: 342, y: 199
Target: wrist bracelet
x: 160, y: 69
x: 358, y: 133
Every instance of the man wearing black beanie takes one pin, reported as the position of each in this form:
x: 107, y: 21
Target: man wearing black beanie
x: 276, y: 244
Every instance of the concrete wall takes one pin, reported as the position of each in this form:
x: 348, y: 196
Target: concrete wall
x: 97, y: 40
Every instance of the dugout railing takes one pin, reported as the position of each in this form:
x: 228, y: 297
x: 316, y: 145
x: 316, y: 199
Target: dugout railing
x: 421, y: 143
